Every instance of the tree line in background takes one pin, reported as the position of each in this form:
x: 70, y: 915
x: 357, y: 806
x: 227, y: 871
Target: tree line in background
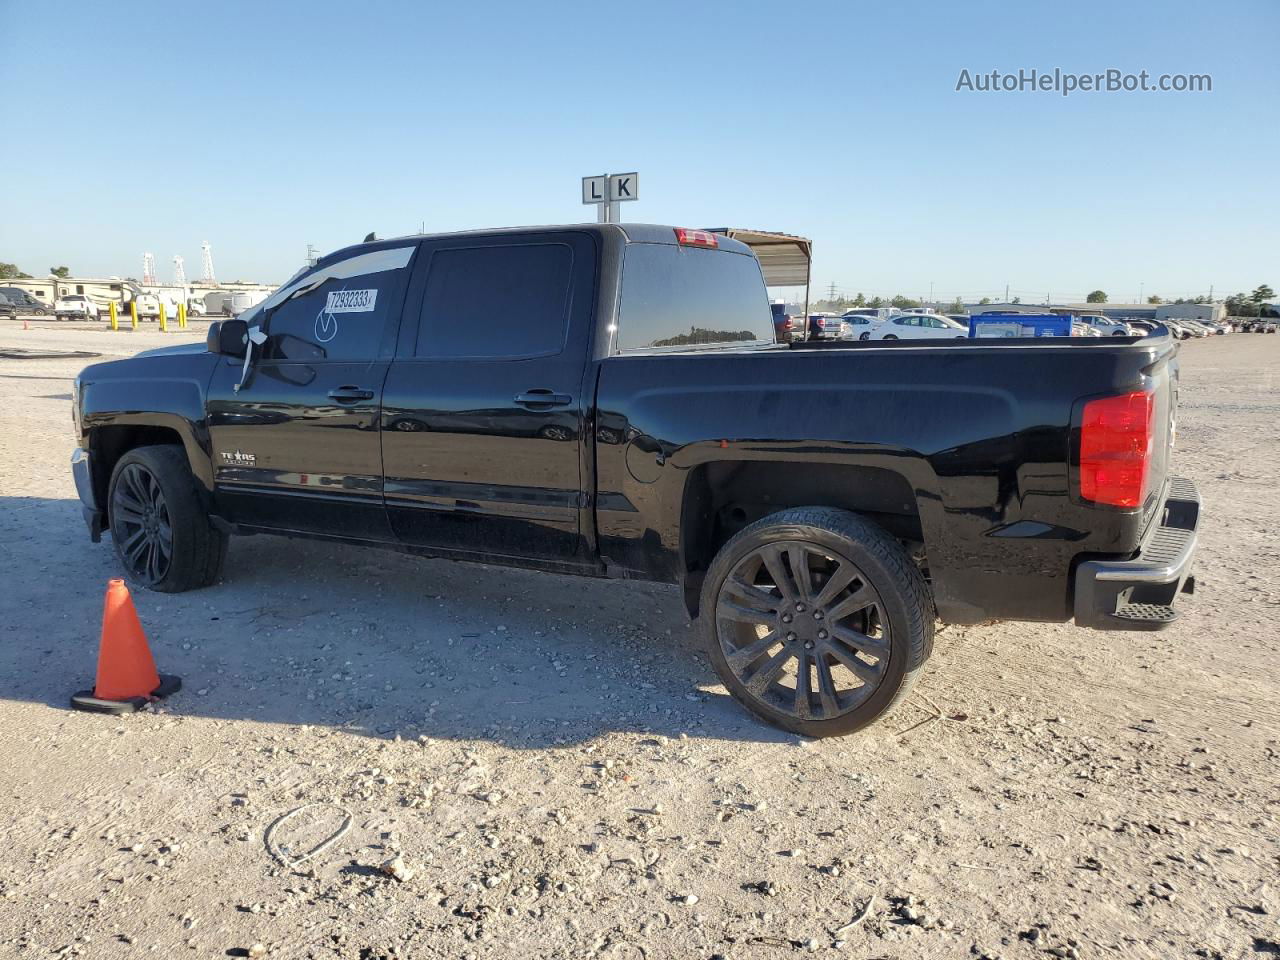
x: 10, y: 271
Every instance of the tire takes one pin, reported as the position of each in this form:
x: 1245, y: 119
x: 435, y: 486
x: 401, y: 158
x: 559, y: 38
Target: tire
x: 889, y: 336
x: 887, y: 615
x: 153, y: 507
x: 864, y: 336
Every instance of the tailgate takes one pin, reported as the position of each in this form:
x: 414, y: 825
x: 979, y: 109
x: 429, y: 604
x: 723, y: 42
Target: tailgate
x: 1163, y: 376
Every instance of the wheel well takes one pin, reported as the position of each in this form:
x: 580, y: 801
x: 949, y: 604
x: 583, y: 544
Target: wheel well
x: 722, y: 498
x: 108, y: 444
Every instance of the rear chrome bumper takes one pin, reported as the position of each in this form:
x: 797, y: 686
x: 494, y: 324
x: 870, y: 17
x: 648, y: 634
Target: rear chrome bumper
x: 1138, y: 594
x: 83, y: 475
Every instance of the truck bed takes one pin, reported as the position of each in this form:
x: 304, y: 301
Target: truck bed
x: 964, y: 447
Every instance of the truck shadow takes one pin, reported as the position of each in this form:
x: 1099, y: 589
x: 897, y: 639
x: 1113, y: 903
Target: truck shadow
x: 371, y: 641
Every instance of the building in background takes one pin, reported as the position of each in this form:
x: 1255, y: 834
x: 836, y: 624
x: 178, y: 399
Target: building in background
x: 1213, y: 312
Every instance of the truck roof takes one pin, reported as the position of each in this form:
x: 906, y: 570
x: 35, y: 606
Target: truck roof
x: 629, y: 232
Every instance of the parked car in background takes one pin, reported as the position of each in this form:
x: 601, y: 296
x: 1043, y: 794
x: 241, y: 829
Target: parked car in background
x: 858, y: 326
x: 782, y: 324
x: 24, y: 301
x: 238, y: 303
x: 195, y: 307
x: 825, y: 326
x: 1105, y: 326
x: 75, y: 305
x: 1079, y: 329
x: 920, y: 326
x: 148, y: 306
x: 1143, y: 327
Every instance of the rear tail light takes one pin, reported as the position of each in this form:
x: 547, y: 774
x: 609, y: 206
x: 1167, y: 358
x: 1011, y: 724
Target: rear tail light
x: 1115, y: 449
x: 696, y: 238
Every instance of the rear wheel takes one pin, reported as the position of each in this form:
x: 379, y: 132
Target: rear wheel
x: 816, y: 620
x: 890, y: 336
x: 159, y: 526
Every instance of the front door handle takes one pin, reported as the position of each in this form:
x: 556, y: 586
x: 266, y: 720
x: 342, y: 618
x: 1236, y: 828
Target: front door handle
x: 543, y: 399
x: 350, y: 394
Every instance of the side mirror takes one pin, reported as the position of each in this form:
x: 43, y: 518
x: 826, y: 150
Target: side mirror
x: 228, y: 338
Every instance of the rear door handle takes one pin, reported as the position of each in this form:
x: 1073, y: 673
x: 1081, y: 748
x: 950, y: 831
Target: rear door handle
x: 542, y: 399
x: 350, y: 394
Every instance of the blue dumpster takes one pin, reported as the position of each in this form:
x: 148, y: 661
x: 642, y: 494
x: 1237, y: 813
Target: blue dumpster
x: 988, y: 325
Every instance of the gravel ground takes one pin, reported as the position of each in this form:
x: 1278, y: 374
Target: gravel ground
x: 560, y: 776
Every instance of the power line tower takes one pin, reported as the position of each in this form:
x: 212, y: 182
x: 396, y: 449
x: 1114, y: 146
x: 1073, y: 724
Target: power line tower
x: 179, y: 272
x: 831, y: 291
x: 206, y: 262
x: 313, y: 255
x: 149, y: 269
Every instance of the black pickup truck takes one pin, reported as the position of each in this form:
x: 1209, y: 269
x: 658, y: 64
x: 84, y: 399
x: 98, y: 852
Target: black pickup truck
x: 608, y: 400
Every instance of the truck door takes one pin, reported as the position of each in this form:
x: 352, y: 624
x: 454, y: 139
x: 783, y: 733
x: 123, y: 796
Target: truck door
x: 297, y: 447
x: 483, y: 414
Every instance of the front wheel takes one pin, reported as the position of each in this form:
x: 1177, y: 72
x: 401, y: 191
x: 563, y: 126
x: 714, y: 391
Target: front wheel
x: 159, y: 526
x: 816, y: 620
x: 889, y: 336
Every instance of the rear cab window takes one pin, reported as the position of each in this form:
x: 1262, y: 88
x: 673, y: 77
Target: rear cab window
x: 676, y: 298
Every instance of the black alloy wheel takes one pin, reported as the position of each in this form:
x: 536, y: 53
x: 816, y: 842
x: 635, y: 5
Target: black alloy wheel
x: 803, y: 630
x: 141, y: 526
x: 159, y: 523
x: 816, y: 620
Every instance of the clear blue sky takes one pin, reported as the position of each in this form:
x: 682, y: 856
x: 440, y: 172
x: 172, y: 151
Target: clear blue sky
x: 263, y: 126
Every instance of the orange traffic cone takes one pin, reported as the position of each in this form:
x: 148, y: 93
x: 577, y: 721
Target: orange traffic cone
x: 127, y: 678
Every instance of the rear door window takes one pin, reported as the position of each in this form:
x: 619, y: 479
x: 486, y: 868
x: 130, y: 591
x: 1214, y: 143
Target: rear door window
x: 507, y: 301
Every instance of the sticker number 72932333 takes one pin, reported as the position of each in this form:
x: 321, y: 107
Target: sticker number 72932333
x: 351, y: 301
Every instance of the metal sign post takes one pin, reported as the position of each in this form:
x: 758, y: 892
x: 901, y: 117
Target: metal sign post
x: 607, y: 190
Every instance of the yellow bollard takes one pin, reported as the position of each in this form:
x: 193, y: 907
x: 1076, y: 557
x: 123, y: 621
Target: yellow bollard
x: 182, y: 316
x: 115, y: 319
x: 133, y: 313
x: 164, y: 326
